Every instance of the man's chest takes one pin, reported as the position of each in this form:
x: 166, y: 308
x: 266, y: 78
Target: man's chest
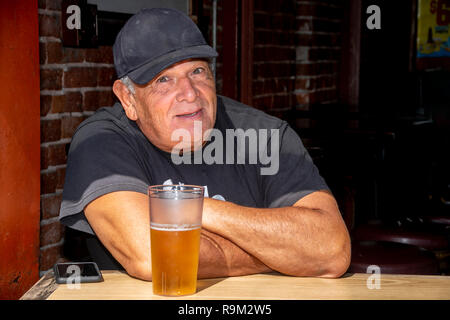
x: 236, y: 183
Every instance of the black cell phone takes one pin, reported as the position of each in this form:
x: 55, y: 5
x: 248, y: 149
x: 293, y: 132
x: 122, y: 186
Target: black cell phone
x: 77, y: 272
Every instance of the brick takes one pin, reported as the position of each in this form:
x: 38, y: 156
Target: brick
x: 50, y: 79
x: 283, y: 102
x: 319, y: 10
x: 318, y: 40
x: 315, y: 83
x: 50, y: 130
x: 306, y: 10
x: 69, y: 102
x: 272, y: 70
x: 52, y: 104
x: 73, y: 102
x: 323, y: 54
x: 326, y: 25
x: 315, y: 97
x: 316, y: 68
x: 96, y: 99
x: 42, y: 53
x: 303, y: 98
x: 106, y: 76
x: 50, y: 206
x: 49, y: 26
x: 258, y: 87
x: 68, y: 125
x: 279, y: 22
x: 80, y: 77
x: 90, y: 100
x: 49, y: 181
x: 272, y: 86
x: 61, y: 175
x: 306, y: 68
x: 304, y: 25
x: 50, y: 4
x: 54, y: 52
x: 45, y: 104
x: 102, y: 54
x: 303, y: 84
x: 273, y: 54
x: 274, y: 37
x: 49, y: 257
x: 53, y: 155
x: 106, y: 98
x: 51, y: 233
x: 302, y: 53
x: 73, y: 54
x: 274, y: 6
x: 263, y: 103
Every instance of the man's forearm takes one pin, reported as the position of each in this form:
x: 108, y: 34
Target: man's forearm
x: 220, y: 257
x: 292, y: 240
x: 127, y: 238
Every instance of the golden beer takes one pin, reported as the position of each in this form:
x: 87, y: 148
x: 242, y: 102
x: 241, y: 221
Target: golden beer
x: 175, y: 253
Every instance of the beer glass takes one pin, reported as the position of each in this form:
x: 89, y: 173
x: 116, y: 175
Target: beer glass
x: 175, y: 224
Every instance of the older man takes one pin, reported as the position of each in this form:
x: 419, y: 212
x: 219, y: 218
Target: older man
x: 285, y: 220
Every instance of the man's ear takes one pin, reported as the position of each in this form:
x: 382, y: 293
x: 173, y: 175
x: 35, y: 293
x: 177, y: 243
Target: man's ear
x: 126, y: 98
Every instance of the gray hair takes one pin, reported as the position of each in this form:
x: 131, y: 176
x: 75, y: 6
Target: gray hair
x: 129, y: 84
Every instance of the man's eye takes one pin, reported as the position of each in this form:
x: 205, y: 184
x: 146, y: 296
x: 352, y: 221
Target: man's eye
x: 198, y: 70
x: 162, y: 79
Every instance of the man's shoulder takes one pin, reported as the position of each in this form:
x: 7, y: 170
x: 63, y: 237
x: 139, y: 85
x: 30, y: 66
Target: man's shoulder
x: 105, y: 118
x: 245, y: 116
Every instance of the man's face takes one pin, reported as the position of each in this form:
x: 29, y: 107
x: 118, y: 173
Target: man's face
x: 174, y: 99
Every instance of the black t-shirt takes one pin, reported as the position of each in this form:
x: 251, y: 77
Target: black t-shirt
x: 110, y: 153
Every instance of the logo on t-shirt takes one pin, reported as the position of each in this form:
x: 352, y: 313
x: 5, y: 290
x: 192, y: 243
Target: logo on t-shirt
x: 206, y: 195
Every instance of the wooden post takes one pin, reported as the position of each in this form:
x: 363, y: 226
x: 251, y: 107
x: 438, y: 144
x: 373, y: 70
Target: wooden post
x: 19, y: 147
x: 230, y: 49
x: 246, y: 65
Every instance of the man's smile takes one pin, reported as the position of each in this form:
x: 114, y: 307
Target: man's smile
x: 191, y: 115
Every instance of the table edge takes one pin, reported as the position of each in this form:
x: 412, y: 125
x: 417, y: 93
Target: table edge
x: 42, y: 289
x: 47, y: 285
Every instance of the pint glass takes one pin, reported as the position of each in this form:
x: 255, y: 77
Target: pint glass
x: 175, y: 223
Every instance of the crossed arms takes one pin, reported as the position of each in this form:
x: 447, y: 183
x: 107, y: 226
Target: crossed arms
x: 307, y: 239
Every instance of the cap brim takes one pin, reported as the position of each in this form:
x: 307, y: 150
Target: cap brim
x: 148, y: 71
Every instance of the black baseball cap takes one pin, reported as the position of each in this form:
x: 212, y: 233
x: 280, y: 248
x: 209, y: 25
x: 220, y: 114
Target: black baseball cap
x: 153, y: 40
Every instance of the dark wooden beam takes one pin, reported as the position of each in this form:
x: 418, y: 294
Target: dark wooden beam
x: 246, y: 52
x: 230, y: 76
x: 351, y: 50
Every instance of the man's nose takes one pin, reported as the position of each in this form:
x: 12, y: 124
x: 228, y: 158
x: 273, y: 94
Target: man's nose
x: 186, y: 90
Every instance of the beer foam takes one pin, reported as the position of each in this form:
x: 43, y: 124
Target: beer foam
x: 174, y: 227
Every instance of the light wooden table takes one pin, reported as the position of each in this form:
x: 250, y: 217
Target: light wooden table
x: 119, y: 286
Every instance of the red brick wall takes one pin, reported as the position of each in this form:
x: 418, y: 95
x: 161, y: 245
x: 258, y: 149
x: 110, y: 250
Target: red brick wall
x: 74, y: 83
x: 296, y: 54
x: 318, y: 47
x: 274, y: 56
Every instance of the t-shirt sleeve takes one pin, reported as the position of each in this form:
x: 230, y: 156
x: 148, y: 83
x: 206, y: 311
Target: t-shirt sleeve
x: 297, y: 175
x: 100, y: 161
